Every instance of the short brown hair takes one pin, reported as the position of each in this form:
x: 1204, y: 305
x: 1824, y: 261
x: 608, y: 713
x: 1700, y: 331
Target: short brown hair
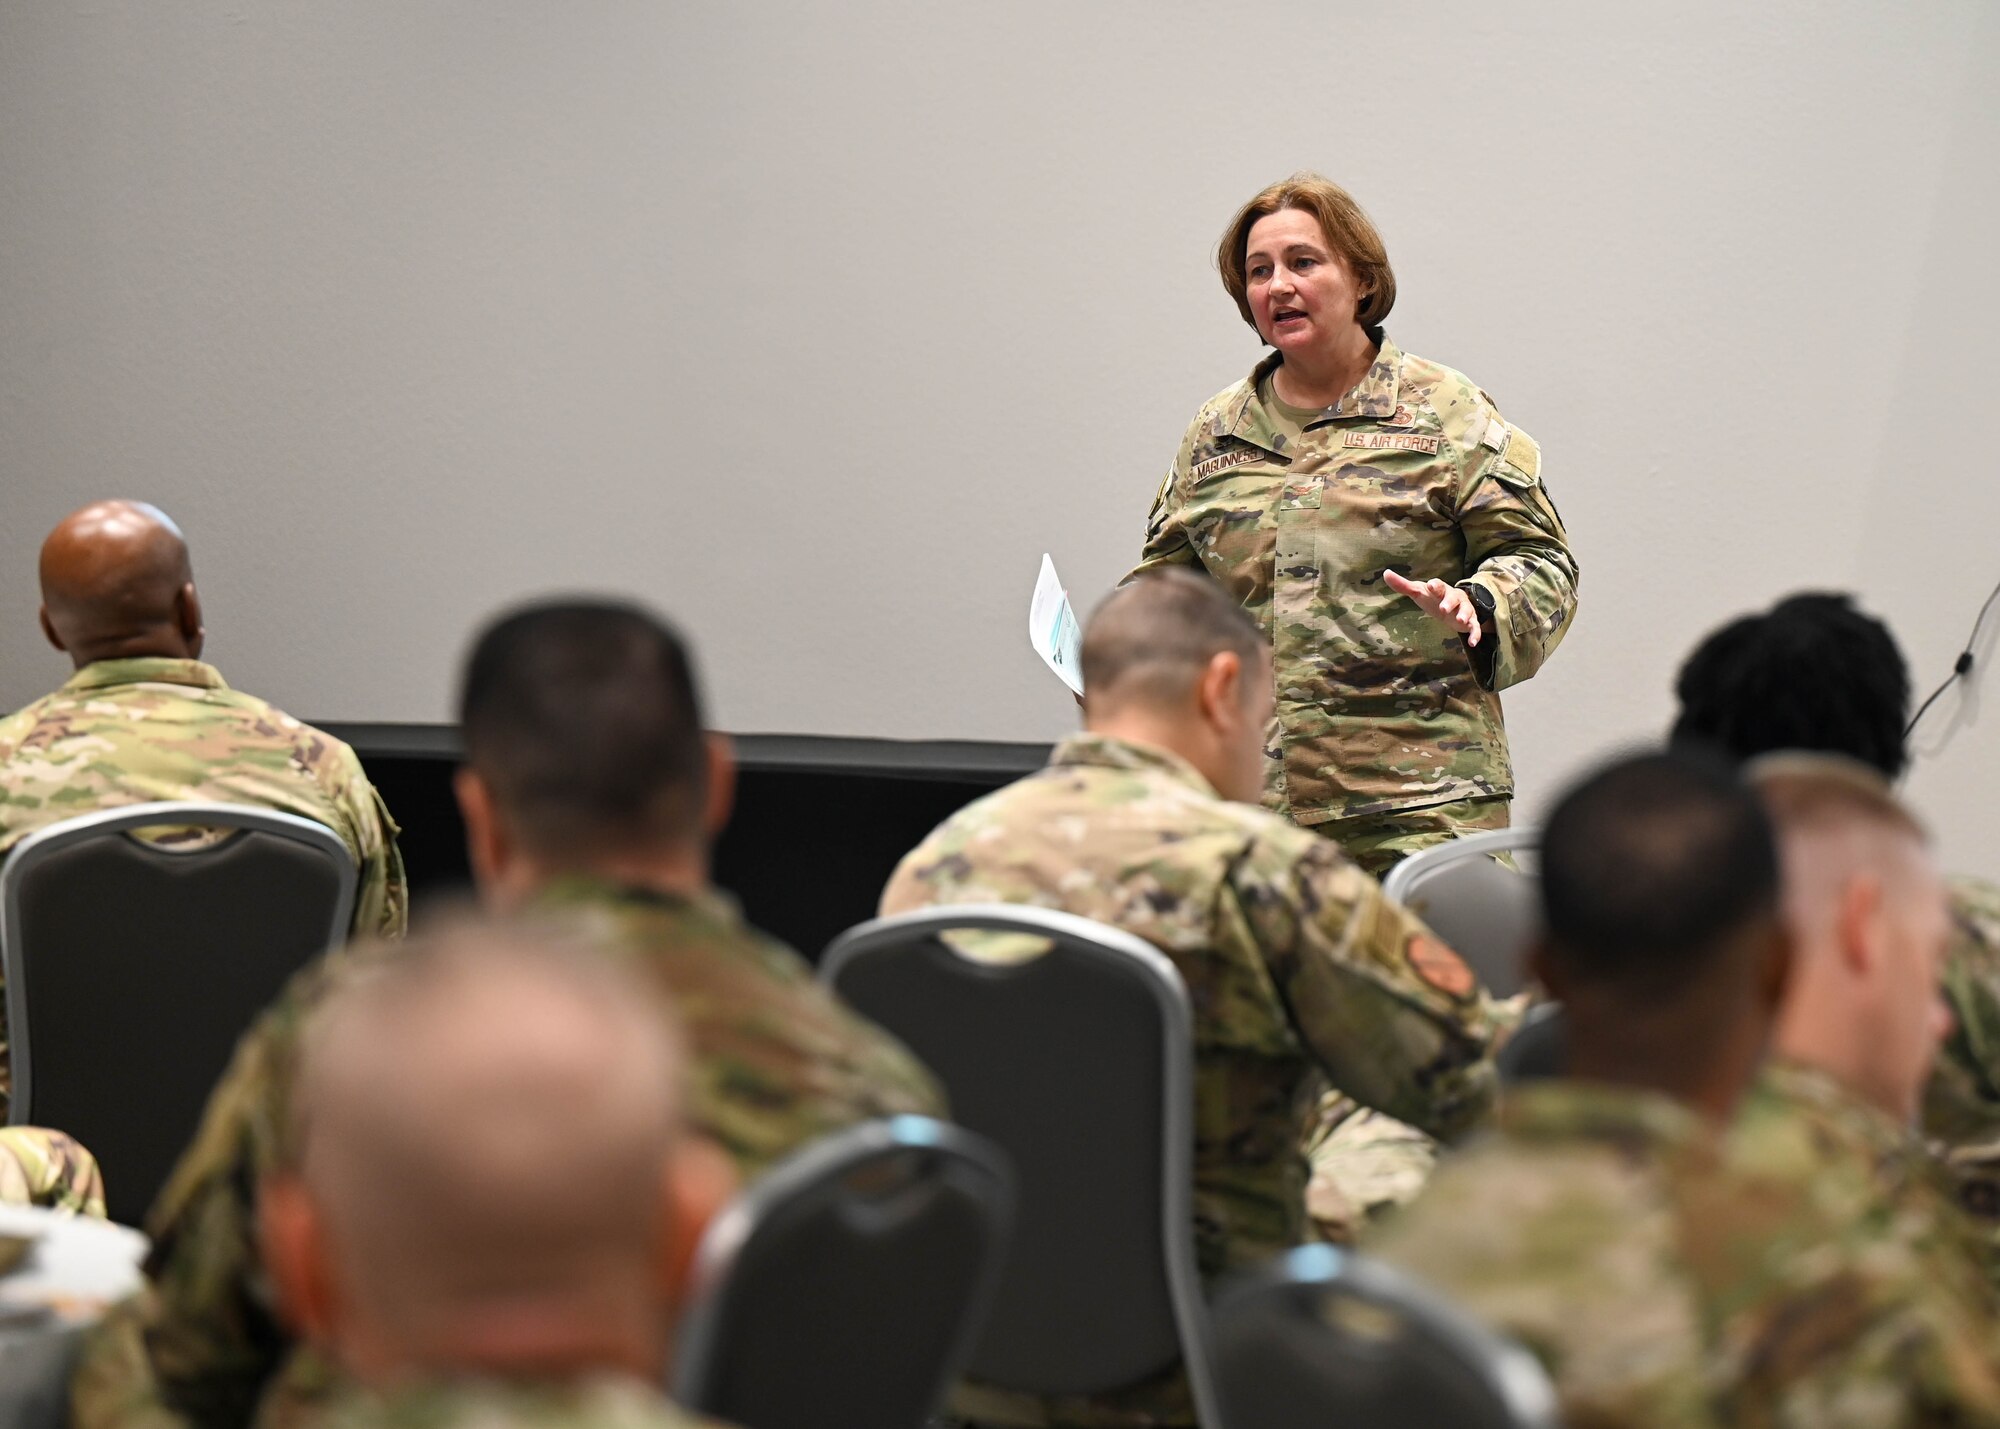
x: 1812, y: 791
x: 1151, y: 639
x: 1349, y: 233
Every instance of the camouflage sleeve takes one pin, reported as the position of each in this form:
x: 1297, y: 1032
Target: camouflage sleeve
x: 1167, y: 542
x: 1397, y: 1021
x: 49, y: 1168
x: 199, y: 1344
x: 382, y: 901
x: 1961, y: 1111
x: 1518, y: 551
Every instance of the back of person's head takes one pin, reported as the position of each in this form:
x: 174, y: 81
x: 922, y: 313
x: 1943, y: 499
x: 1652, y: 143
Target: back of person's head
x: 1869, y: 916
x: 1173, y: 659
x: 583, y: 722
x: 490, y: 1174
x: 1659, y: 888
x: 117, y: 583
x: 1811, y: 673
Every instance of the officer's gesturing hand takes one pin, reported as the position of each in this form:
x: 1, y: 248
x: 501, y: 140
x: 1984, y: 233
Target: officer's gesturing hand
x: 1440, y: 601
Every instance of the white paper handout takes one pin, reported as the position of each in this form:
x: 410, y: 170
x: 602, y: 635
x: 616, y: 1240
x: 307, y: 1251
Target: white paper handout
x: 1052, y: 628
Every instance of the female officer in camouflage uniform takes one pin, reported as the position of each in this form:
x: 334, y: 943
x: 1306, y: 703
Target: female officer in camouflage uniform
x: 1387, y: 526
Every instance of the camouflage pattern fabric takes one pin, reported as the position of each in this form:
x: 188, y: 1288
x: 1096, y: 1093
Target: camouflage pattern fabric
x: 1380, y: 707
x: 775, y: 1062
x: 1296, y: 967
x: 1961, y: 1113
x: 1666, y: 1276
x: 136, y: 731
x: 605, y: 1404
x: 50, y: 1169
x: 1378, y: 842
x: 1364, y: 1165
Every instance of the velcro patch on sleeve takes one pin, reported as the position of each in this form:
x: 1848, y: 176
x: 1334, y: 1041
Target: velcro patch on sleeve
x: 1522, y: 454
x: 1441, y: 967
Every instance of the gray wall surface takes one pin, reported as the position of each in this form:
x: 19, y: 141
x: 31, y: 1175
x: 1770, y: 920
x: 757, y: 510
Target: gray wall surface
x: 817, y: 323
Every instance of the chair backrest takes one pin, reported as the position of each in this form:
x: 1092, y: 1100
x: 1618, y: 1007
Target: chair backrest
x: 843, y: 1289
x: 1324, y: 1336
x: 132, y: 969
x: 1539, y: 1048
x: 1078, y: 1063
x: 1483, y: 909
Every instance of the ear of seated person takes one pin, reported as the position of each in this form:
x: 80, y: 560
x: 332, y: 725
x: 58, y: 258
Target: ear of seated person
x: 1673, y: 1245
x: 494, y: 1199
x: 1816, y: 673
x: 1298, y: 971
x: 591, y: 793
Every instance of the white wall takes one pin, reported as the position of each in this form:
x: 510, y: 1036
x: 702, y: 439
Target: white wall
x: 817, y: 323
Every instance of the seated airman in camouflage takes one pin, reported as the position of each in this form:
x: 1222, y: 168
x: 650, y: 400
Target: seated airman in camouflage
x: 144, y: 719
x: 1815, y: 673
x: 1296, y: 966
x: 1672, y: 1266
x: 494, y: 1200
x: 589, y: 790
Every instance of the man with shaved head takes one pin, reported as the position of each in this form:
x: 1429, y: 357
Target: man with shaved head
x: 144, y: 719
x: 1297, y: 968
x: 492, y: 1200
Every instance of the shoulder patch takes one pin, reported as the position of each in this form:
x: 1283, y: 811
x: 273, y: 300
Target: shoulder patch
x: 1521, y: 453
x: 1223, y: 461
x: 1441, y: 967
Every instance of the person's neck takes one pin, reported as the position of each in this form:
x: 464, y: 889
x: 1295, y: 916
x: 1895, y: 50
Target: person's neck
x: 1137, y: 725
x: 1322, y: 379
x: 683, y: 872
x: 136, y: 648
x: 1813, y: 1032
x: 512, y: 1346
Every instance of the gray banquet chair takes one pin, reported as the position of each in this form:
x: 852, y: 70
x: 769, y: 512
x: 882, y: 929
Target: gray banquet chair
x: 1078, y: 1063
x: 1323, y: 1336
x: 1483, y: 909
x: 132, y: 970
x: 843, y: 1288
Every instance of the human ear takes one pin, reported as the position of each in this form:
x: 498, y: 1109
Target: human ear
x: 720, y: 800
x: 1859, y: 922
x: 487, y: 846
x: 1219, y: 692
x: 188, y: 605
x: 49, y: 632
x: 696, y: 1184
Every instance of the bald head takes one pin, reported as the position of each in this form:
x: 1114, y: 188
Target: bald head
x: 1867, y: 911
x: 488, y: 1126
x: 117, y: 584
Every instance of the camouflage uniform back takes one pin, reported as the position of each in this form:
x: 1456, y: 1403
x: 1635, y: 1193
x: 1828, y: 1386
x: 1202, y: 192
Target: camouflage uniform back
x: 1295, y: 967
x: 137, y: 731
x: 774, y: 1063
x: 52, y: 1169
x: 1962, y: 1102
x: 1667, y: 1276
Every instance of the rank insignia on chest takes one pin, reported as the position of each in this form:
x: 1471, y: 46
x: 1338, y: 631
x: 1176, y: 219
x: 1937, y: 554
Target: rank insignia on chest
x: 1398, y: 441
x: 1240, y: 456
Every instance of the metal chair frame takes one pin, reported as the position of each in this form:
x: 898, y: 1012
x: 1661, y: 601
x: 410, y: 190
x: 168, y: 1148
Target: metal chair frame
x: 1515, y: 1376
x: 828, y: 1159
x: 1155, y: 972
x: 42, y: 843
x: 1412, y: 872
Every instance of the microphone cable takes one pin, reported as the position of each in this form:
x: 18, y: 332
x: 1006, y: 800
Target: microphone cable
x: 1960, y: 668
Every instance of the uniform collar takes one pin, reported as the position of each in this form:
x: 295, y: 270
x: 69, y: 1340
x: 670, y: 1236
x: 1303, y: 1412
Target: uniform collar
x: 1374, y: 396
x: 1795, y: 1086
x: 1597, y: 1111
x: 1102, y: 751
x: 145, y: 670
x: 589, y: 890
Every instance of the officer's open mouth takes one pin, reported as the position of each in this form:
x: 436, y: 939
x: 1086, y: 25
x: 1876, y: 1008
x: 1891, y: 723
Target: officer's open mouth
x: 1286, y: 315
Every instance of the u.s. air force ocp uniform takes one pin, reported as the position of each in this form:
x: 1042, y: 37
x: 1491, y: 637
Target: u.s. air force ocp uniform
x: 1961, y: 1113
x: 774, y: 1062
x: 1296, y: 966
x: 1388, y: 734
x: 1784, y: 1274
x: 141, y: 730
